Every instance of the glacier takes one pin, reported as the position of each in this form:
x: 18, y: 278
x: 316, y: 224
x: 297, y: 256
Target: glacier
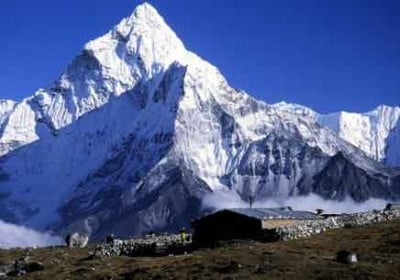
x: 138, y: 131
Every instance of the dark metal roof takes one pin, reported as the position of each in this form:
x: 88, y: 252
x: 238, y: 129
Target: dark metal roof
x: 274, y: 213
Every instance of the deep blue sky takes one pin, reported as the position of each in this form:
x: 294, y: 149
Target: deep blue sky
x: 329, y: 55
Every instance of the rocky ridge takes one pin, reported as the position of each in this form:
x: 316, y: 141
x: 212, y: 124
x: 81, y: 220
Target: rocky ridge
x: 375, y: 132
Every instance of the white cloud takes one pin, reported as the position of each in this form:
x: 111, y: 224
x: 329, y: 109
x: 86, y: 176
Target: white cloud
x: 222, y: 200
x: 312, y: 202
x: 12, y: 236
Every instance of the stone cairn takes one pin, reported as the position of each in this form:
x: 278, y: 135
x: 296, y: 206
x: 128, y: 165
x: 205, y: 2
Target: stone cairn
x: 305, y: 229
x: 148, y: 245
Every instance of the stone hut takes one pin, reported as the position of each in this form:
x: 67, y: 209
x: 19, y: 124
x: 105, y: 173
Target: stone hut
x: 246, y: 223
x: 392, y: 206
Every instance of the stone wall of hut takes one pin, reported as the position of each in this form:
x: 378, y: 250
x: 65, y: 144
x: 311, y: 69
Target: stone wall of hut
x: 274, y: 223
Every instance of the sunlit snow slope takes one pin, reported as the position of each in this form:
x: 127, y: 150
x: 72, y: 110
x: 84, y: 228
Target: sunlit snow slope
x: 138, y: 130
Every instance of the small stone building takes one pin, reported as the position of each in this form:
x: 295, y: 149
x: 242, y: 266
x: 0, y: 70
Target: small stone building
x: 246, y: 223
x: 392, y: 206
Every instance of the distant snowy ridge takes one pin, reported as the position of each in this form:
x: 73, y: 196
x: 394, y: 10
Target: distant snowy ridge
x: 138, y: 131
x: 375, y: 132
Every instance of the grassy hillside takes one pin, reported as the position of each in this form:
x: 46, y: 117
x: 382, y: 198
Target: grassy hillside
x: 378, y: 247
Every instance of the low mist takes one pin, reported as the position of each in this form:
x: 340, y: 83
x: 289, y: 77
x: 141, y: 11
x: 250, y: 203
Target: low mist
x: 12, y: 236
x: 223, y: 200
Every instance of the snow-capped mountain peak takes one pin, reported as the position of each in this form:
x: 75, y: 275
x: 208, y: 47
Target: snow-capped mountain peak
x: 141, y: 47
x: 138, y: 130
x: 372, y: 132
x: 146, y: 14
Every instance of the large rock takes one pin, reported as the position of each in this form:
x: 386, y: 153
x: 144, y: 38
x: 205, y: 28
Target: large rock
x: 19, y: 267
x: 77, y: 240
x: 346, y: 257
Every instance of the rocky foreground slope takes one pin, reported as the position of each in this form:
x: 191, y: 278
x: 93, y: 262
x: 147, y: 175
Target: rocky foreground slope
x: 377, y: 248
x: 138, y: 132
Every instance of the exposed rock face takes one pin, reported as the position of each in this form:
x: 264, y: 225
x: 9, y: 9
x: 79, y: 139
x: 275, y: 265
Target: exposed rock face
x: 137, y: 131
x: 360, y: 185
x: 375, y: 132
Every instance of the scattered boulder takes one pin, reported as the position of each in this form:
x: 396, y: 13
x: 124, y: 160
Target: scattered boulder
x: 19, y: 267
x: 110, y: 239
x: 34, y: 266
x: 346, y: 257
x: 233, y: 266
x: 6, y: 268
x: 77, y: 240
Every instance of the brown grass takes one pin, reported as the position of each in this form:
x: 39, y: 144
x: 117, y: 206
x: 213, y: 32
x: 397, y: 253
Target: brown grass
x: 378, y: 247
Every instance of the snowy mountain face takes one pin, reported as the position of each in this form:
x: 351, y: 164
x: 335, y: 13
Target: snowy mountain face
x: 138, y: 130
x: 374, y: 132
